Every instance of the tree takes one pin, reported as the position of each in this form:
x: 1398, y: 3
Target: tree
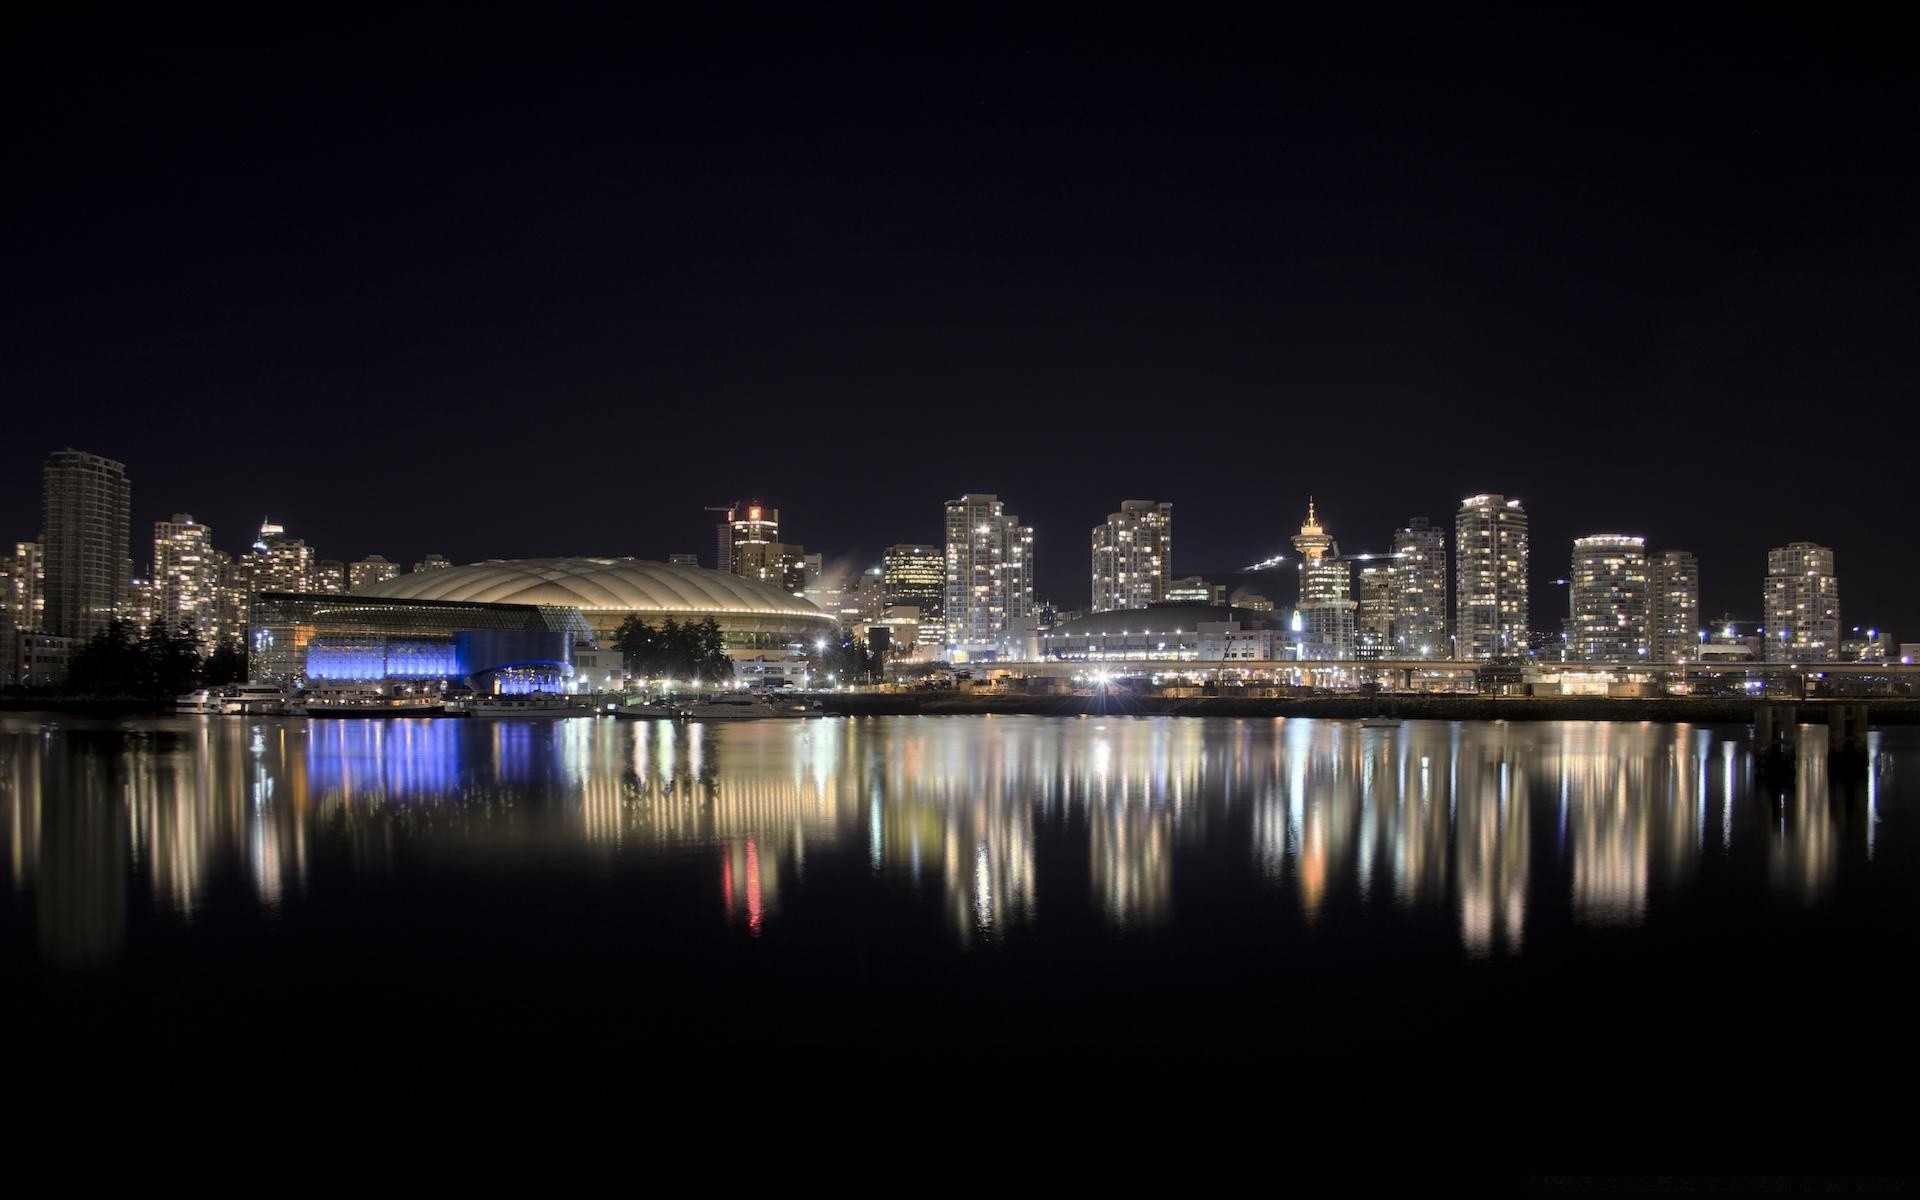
x: 227, y: 664
x: 154, y: 665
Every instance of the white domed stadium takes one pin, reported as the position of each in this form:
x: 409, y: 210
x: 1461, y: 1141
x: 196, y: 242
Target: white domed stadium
x: 753, y: 616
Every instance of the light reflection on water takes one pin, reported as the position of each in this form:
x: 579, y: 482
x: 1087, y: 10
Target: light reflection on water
x: 997, y: 821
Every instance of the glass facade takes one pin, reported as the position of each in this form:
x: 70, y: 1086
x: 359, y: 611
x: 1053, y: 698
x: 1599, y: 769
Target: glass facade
x: 297, y: 637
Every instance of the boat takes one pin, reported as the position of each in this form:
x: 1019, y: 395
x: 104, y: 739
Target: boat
x: 203, y: 703
x: 457, y: 706
x: 644, y: 710
x: 533, y: 704
x: 367, y: 702
x: 741, y: 708
x: 254, y: 700
x: 1380, y: 723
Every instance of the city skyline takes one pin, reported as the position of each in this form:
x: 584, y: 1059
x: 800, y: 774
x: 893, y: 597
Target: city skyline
x: 790, y: 256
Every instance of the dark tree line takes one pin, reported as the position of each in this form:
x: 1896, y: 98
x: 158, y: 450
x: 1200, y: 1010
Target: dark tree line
x: 694, y: 651
x: 851, y: 659
x: 157, y: 664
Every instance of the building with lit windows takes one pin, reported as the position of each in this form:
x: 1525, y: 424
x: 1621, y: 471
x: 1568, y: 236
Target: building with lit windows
x: 1490, y: 555
x: 1326, y: 607
x: 278, y: 563
x: 1802, y: 604
x: 916, y: 576
x: 432, y: 562
x: 371, y: 569
x: 746, y: 525
x: 186, y: 579
x: 86, y: 567
x: 27, y: 571
x: 330, y: 576
x: 1192, y: 589
x: 989, y: 579
x: 1420, y: 591
x: 299, y: 639
x: 1673, y: 607
x: 1133, y: 556
x: 1379, y: 603
x: 1607, y: 597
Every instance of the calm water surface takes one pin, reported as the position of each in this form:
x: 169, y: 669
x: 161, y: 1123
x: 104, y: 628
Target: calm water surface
x: 1552, y: 932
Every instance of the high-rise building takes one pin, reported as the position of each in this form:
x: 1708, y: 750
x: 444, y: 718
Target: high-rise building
x: 1133, y: 555
x: 916, y: 575
x: 432, y: 562
x: 28, y: 571
x: 1607, y: 600
x: 330, y: 576
x: 1379, y: 604
x: 1490, y: 557
x: 989, y: 578
x: 278, y: 563
x: 1673, y: 607
x: 139, y: 603
x: 747, y: 525
x: 186, y: 577
x: 1803, y: 604
x: 87, y: 569
x: 1326, y: 608
x: 1420, y: 590
x: 372, y: 569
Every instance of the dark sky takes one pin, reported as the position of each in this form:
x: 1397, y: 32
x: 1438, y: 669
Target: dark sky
x: 543, y: 297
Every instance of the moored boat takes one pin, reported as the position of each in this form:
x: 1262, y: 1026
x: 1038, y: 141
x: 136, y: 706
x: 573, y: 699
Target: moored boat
x: 254, y: 700
x: 367, y: 702
x: 536, y: 704
x: 204, y: 702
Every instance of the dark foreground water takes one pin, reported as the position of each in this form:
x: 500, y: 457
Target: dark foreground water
x: 1522, y: 942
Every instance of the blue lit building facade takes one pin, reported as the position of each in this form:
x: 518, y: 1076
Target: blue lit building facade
x: 296, y: 639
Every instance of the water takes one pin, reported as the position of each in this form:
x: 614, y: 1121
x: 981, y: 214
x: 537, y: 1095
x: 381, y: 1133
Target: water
x: 1538, y: 934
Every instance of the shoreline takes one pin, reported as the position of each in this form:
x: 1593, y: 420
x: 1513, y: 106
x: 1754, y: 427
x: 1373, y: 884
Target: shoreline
x: 1886, y: 711
x: 1705, y: 710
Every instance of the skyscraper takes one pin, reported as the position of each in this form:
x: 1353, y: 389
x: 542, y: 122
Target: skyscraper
x: 186, y: 579
x: 1802, y: 604
x: 278, y: 563
x: 917, y: 575
x: 1420, y: 591
x: 1326, y: 608
x: 1379, y: 601
x: 989, y: 578
x: 1607, y: 600
x: 1673, y: 609
x: 87, y: 569
x: 1133, y: 555
x: 746, y: 525
x: 373, y: 568
x: 1490, y: 563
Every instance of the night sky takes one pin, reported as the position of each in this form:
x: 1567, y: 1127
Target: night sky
x: 545, y: 298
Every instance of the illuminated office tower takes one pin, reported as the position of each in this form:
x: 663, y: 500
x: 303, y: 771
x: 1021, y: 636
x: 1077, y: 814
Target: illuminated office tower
x: 1133, y: 556
x: 186, y: 578
x: 278, y: 563
x: 1326, y: 608
x: 432, y: 562
x: 747, y: 526
x: 917, y: 575
x: 1490, y: 569
x: 1673, y: 608
x: 372, y: 569
x: 989, y: 577
x: 1607, y: 598
x: 87, y: 568
x: 1420, y: 591
x: 1379, y: 602
x: 1802, y: 604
